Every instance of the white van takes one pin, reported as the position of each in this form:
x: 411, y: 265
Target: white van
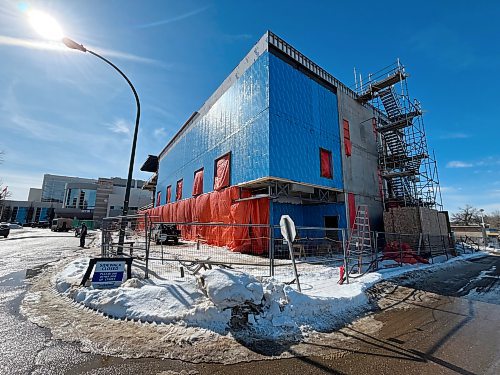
x: 61, y: 225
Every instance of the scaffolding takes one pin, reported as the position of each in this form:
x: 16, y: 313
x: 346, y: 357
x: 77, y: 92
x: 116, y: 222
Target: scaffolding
x: 408, y: 172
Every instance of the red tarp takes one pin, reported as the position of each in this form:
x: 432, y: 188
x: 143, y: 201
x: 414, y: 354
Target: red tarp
x: 351, y: 201
x: 178, y: 191
x: 169, y: 193
x: 220, y: 207
x: 198, y: 183
x: 403, y: 255
x: 221, y: 179
x: 325, y: 163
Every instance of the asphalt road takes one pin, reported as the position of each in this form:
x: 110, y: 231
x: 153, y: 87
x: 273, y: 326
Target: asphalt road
x: 425, y: 325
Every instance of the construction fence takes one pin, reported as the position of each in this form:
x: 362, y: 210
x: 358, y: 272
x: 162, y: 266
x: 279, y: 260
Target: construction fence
x: 181, y: 250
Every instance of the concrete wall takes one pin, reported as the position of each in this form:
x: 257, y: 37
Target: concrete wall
x: 360, y: 169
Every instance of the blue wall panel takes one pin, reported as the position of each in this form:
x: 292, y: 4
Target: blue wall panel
x: 238, y: 122
x: 309, y: 215
x: 303, y: 118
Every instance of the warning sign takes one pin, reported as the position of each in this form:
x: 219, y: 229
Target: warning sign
x: 108, y: 274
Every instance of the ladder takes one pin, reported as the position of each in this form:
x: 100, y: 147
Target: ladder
x: 360, y: 240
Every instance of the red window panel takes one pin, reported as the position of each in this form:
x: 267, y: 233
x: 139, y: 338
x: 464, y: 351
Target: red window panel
x: 169, y: 193
x: 348, y: 147
x: 198, y: 182
x: 351, y: 201
x: 222, y: 172
x: 325, y: 158
x: 347, y: 131
x: 158, y: 198
x: 178, y: 191
x: 347, y: 139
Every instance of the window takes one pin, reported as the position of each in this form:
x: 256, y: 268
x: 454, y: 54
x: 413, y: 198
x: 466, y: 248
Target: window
x: 325, y: 159
x: 222, y: 171
x: 169, y: 193
x: 347, y: 138
x: 158, y: 198
x: 198, y: 182
x: 178, y: 190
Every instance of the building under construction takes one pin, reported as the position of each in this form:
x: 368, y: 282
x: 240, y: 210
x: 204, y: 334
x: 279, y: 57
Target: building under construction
x: 283, y: 136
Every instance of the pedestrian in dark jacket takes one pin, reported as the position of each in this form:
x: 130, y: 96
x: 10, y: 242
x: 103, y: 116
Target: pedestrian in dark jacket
x: 83, y: 233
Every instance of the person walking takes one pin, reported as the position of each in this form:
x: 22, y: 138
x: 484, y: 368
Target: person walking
x: 83, y: 233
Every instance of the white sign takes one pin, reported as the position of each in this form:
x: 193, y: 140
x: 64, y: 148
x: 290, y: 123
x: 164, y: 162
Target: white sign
x: 108, y: 274
x: 287, y: 228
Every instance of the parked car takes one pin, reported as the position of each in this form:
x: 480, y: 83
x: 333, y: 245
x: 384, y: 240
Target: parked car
x: 41, y: 224
x: 163, y: 233
x: 4, y: 230
x: 61, y: 225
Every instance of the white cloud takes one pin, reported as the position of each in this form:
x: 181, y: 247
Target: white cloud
x: 56, y: 46
x: 455, y: 136
x: 458, y: 164
x: 160, y: 133
x: 120, y: 126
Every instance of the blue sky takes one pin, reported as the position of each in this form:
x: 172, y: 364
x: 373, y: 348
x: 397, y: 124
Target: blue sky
x: 65, y: 112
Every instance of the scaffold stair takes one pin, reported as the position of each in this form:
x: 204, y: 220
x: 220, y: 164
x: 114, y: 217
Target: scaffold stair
x: 375, y: 87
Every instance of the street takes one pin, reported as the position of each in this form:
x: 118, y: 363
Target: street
x: 444, y: 321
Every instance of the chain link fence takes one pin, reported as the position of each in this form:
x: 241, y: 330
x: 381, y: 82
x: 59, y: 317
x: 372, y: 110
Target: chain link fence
x: 181, y: 250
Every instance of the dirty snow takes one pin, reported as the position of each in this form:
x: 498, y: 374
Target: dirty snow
x: 272, y: 307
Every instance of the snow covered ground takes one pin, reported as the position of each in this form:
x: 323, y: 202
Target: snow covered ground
x: 270, y: 307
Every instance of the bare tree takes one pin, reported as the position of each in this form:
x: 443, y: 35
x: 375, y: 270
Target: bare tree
x: 4, y: 193
x: 466, y: 216
x: 493, y: 219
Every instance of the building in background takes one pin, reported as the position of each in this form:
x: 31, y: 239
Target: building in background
x: 80, y: 198
x: 53, y: 186
x: 35, y: 195
x: 283, y: 136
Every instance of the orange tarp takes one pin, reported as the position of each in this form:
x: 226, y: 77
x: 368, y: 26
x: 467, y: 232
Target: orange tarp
x: 221, y: 207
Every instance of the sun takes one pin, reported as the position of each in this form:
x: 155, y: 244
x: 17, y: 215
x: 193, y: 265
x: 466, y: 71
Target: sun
x: 45, y: 25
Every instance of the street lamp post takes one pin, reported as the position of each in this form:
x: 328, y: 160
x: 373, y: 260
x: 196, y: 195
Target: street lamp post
x: 49, y: 28
x: 73, y: 45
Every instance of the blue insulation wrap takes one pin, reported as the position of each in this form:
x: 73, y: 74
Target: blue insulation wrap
x: 303, y: 119
x: 238, y: 122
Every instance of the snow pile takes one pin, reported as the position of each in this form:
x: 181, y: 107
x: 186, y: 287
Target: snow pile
x: 229, y: 288
x: 269, y: 308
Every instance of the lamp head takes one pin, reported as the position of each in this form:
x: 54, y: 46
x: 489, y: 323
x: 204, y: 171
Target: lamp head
x: 73, y: 45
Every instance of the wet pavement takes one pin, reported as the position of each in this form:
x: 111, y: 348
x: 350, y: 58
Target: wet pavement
x: 437, y: 323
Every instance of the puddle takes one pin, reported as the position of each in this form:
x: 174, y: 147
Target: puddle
x: 18, y: 278
x: 14, y: 279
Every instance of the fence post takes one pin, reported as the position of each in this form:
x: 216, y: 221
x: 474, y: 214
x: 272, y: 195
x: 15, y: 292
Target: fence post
x: 445, y: 247
x: 271, y: 250
x: 375, y: 235
x: 400, y: 252
x: 148, y: 228
x: 346, y: 260
x: 430, y: 247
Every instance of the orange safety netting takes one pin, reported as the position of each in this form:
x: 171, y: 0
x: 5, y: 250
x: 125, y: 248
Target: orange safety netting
x: 221, y: 207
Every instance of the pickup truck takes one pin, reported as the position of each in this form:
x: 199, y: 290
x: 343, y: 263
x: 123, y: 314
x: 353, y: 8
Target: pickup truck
x: 163, y: 233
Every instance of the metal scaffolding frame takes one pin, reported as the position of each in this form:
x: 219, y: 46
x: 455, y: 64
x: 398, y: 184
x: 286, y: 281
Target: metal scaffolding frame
x: 408, y: 170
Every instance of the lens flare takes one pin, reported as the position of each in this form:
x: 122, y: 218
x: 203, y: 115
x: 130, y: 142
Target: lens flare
x: 45, y: 25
